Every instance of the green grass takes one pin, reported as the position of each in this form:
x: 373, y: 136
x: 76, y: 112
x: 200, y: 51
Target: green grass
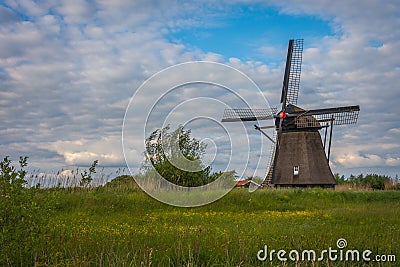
x: 113, y: 227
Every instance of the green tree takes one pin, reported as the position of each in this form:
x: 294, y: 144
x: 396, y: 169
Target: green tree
x: 339, y: 179
x: 377, y: 182
x: 372, y: 181
x: 176, y: 156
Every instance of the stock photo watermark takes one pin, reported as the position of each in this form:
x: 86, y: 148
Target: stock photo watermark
x: 191, y: 97
x: 338, y: 253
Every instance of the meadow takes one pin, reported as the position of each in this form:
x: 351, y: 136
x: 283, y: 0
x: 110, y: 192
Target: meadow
x: 122, y: 226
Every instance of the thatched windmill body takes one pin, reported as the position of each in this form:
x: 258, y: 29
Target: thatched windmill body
x: 299, y: 156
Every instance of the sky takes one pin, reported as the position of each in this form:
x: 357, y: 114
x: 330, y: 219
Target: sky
x: 70, y: 69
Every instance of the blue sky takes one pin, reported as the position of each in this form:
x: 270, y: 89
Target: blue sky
x: 68, y: 69
x: 243, y: 32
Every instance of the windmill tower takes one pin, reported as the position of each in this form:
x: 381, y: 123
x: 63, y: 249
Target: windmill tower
x: 299, y: 158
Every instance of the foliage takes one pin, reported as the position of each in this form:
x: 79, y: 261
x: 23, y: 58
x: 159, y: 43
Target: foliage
x: 339, y: 179
x: 396, y: 186
x: 372, y: 181
x: 122, y: 181
x: 20, y: 217
x: 87, y: 175
x: 176, y: 156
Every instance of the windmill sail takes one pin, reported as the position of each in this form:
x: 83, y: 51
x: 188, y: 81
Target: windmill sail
x: 291, y: 80
x: 231, y: 115
x: 337, y: 116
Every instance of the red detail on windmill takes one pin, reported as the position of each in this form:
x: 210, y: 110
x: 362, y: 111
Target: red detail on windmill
x: 282, y: 115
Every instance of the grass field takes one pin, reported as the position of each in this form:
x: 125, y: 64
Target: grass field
x: 125, y: 227
x: 114, y: 227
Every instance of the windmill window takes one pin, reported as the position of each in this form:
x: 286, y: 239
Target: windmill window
x: 296, y: 170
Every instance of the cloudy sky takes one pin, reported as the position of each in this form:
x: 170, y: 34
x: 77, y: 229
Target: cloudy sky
x: 68, y: 70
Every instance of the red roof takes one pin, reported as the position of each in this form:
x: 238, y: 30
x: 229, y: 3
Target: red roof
x: 242, y: 182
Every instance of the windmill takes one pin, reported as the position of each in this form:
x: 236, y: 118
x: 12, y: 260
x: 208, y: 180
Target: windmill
x: 299, y: 157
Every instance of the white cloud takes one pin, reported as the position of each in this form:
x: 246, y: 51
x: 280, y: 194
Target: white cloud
x: 107, y: 151
x: 356, y: 160
x: 395, y: 131
x: 75, y: 11
x: 7, y: 15
x: 68, y: 69
x: 393, y: 161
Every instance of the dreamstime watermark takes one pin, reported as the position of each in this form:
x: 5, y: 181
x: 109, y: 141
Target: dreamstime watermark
x: 331, y: 254
x: 194, y: 95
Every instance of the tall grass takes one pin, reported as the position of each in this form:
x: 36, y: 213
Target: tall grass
x: 71, y: 178
x: 121, y: 226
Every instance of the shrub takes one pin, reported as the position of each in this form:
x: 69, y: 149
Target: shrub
x: 122, y: 181
x: 87, y: 175
x: 20, y: 217
x: 371, y: 181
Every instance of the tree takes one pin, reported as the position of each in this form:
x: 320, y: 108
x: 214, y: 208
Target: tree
x: 372, y: 181
x: 339, y: 179
x: 176, y: 156
x: 377, y: 182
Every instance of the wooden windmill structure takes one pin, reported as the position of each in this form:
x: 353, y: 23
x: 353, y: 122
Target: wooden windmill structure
x: 299, y: 158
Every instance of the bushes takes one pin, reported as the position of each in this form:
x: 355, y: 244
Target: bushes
x: 24, y: 214
x: 122, y: 182
x: 20, y: 217
x: 87, y: 175
x: 372, y: 181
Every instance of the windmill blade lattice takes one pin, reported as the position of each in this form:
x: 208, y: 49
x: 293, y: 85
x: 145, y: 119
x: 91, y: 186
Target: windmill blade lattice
x: 232, y: 115
x: 291, y: 82
x: 295, y: 71
x: 337, y: 116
